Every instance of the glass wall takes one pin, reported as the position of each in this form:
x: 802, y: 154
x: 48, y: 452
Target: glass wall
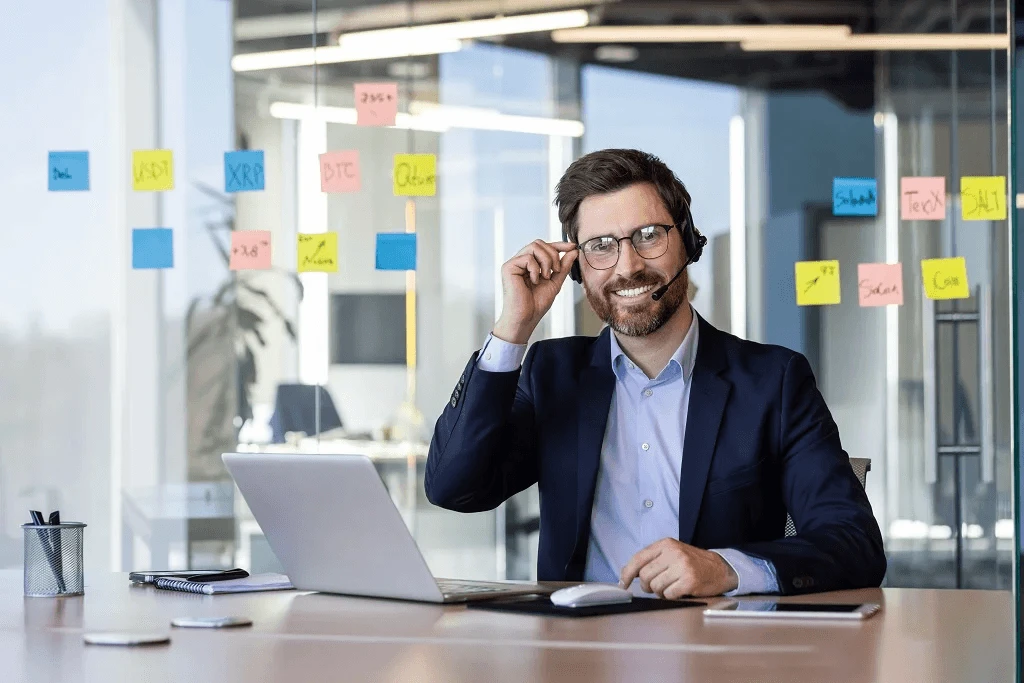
x: 123, y: 383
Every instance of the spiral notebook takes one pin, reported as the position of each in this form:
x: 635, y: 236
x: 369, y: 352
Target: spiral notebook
x: 249, y: 584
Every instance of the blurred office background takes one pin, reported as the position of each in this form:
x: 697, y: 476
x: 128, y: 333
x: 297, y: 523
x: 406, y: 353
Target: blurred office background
x: 120, y: 388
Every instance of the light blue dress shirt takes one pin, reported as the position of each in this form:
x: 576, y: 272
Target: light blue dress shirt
x: 636, y: 501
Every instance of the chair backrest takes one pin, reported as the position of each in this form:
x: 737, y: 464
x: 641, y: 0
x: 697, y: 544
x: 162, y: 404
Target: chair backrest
x: 861, y: 467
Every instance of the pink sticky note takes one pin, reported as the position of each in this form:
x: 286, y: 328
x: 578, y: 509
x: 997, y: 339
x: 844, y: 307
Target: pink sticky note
x: 339, y: 171
x: 880, y: 284
x: 250, y: 250
x: 376, y: 104
x: 923, y: 199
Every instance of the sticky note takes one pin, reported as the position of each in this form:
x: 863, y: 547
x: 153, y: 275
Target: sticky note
x: 376, y: 104
x: 339, y: 171
x: 152, y: 170
x: 415, y: 175
x: 396, y: 251
x: 880, y: 284
x: 68, y: 171
x: 243, y: 171
x: 817, y: 283
x: 923, y: 198
x: 945, y: 278
x: 318, y: 252
x: 152, y: 248
x: 854, y: 197
x: 250, y: 250
x: 983, y: 198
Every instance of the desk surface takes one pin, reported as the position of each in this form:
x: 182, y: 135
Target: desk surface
x: 921, y: 635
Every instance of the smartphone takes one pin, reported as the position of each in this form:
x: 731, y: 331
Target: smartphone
x: 773, y: 609
x: 193, y: 574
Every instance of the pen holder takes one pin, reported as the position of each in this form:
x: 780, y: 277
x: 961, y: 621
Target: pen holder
x: 53, y: 559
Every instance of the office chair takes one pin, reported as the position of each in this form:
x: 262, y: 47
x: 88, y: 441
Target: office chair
x: 295, y: 411
x: 861, y: 467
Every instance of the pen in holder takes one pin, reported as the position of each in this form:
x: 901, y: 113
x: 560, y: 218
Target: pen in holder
x: 53, y: 559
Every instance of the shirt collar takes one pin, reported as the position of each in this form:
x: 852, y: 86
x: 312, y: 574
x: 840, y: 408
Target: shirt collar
x: 684, y: 357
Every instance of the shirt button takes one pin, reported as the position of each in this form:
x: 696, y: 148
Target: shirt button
x: 646, y: 447
x: 648, y: 503
x: 648, y: 392
x: 487, y: 356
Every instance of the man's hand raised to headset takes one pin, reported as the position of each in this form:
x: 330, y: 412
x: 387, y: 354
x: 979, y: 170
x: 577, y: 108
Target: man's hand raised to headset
x: 530, y: 280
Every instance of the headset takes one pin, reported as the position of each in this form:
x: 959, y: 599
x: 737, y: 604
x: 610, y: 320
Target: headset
x: 693, y: 241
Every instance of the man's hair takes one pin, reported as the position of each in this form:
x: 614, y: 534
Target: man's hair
x: 610, y: 170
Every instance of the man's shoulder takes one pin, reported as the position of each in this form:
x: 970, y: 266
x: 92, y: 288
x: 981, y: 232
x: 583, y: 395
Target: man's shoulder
x: 563, y: 348
x: 752, y: 356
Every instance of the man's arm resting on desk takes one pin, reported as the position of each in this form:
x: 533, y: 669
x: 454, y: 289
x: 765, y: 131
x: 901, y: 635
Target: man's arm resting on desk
x: 484, y: 446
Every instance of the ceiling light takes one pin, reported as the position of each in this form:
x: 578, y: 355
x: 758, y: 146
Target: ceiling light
x: 307, y: 56
x: 438, y: 118
x: 467, y: 30
x: 728, y: 33
x: 884, y: 41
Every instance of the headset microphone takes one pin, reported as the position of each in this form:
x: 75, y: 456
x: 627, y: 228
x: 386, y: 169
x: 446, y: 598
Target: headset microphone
x: 660, y: 291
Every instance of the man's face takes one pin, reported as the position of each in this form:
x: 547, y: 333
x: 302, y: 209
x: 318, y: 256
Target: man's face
x: 621, y: 295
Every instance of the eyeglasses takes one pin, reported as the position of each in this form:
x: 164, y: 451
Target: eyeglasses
x: 649, y: 242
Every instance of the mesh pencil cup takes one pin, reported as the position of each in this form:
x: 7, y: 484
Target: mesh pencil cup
x: 53, y: 559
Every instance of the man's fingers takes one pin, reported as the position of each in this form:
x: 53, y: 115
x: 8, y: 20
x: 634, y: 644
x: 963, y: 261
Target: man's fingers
x: 659, y: 583
x: 651, y: 573
x: 526, y: 265
x: 677, y: 589
x: 565, y: 266
x: 636, y: 563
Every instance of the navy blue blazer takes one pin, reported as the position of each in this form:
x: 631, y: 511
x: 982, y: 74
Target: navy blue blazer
x: 760, y: 442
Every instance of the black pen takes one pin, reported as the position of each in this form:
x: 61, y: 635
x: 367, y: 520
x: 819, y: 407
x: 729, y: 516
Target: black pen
x: 37, y: 519
x: 58, y: 553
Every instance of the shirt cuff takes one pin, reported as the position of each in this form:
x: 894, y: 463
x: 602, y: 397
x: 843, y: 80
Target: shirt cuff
x: 754, y: 574
x: 498, y: 355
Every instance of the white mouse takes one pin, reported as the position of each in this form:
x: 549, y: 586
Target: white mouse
x: 589, y: 594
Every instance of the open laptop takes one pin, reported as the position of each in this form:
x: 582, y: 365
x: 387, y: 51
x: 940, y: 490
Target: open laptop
x: 334, y: 528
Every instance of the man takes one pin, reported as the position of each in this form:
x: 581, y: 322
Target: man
x: 667, y: 452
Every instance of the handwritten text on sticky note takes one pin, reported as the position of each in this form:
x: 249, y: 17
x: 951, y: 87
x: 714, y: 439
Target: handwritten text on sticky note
x: 817, y: 283
x: 880, y: 284
x: 250, y: 250
x: 983, y: 198
x: 945, y: 278
x: 243, y: 171
x: 415, y: 175
x: 396, y: 251
x: 152, y: 248
x: 854, y: 197
x: 68, y: 171
x: 339, y: 171
x: 318, y: 252
x: 152, y: 170
x: 922, y: 198
x: 376, y: 104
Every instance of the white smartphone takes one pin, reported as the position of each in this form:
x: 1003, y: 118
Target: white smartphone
x: 773, y: 609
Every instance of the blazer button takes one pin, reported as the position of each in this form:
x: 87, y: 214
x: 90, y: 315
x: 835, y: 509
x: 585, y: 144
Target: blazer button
x: 798, y: 582
x: 454, y: 402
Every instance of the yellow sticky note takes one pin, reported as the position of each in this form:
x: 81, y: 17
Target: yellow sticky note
x: 152, y: 170
x: 945, y: 278
x: 983, y: 198
x: 318, y: 252
x: 415, y: 175
x: 817, y: 283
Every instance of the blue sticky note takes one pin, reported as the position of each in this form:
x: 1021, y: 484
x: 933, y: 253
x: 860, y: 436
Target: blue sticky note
x: 243, y: 171
x: 396, y: 251
x: 152, y: 248
x: 854, y: 197
x: 68, y: 171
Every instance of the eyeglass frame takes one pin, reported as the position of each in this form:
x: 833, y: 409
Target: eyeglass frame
x: 618, y: 243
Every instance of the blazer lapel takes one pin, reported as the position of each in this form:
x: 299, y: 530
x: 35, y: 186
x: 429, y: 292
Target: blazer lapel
x: 597, y: 384
x: 708, y: 396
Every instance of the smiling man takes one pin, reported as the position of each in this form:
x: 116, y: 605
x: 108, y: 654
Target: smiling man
x: 667, y: 452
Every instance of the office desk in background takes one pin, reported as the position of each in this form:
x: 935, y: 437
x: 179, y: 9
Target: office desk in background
x: 921, y: 635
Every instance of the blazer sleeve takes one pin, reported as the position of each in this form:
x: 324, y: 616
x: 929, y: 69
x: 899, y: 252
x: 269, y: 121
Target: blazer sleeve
x: 838, y: 544
x: 484, y: 448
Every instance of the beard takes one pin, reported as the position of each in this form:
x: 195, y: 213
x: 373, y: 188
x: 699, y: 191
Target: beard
x: 640, y: 316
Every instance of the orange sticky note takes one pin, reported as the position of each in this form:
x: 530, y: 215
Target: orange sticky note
x: 250, y: 250
x: 923, y: 198
x: 318, y: 252
x: 376, y: 104
x: 880, y: 284
x: 339, y: 171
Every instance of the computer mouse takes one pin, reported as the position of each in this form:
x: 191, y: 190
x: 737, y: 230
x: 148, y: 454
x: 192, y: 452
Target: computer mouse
x: 589, y: 594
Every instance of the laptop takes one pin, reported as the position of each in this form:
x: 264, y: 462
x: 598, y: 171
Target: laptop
x: 334, y: 528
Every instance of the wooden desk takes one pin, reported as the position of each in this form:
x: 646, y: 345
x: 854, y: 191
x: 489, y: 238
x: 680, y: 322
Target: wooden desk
x: 921, y: 635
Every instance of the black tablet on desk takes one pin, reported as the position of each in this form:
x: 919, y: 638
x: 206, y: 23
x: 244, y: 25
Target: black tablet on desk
x: 541, y: 605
